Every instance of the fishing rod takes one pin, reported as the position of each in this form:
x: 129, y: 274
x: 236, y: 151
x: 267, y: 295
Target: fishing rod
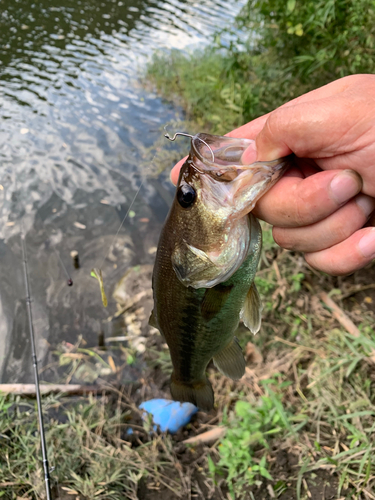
x: 47, y: 479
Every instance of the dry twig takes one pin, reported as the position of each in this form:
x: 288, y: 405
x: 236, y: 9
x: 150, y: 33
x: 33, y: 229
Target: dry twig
x: 29, y: 389
x: 339, y: 314
x: 207, y: 437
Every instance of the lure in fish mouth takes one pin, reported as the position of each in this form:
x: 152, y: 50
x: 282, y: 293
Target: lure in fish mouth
x: 207, y: 257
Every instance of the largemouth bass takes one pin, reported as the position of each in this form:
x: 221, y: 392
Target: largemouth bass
x: 207, y: 257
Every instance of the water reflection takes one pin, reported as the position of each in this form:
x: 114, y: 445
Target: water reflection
x: 74, y: 128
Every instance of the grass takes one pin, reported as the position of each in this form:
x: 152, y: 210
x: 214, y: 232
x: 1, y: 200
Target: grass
x: 88, y: 447
x: 331, y: 372
x: 211, y: 101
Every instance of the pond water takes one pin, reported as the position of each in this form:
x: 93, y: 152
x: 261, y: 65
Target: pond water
x: 75, y: 127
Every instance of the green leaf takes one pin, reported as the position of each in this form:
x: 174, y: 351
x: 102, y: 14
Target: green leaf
x: 130, y: 359
x: 291, y: 5
x: 298, y: 30
x: 211, y: 465
x: 242, y: 408
x: 264, y: 472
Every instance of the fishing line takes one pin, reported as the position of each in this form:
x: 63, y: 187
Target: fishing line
x: 47, y: 478
x: 70, y: 281
x: 122, y: 223
x: 96, y: 271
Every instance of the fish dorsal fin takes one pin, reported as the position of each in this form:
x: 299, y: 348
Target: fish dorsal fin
x: 230, y: 360
x: 251, y: 313
x: 213, y: 300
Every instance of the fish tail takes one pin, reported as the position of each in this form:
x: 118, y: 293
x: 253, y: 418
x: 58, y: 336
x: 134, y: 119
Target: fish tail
x: 199, y: 393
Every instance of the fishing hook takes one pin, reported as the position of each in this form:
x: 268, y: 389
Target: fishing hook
x: 47, y: 478
x: 191, y: 137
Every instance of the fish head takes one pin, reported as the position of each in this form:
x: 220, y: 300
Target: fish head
x: 215, y: 192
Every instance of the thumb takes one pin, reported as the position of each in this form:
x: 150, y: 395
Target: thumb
x: 314, y: 124
x: 314, y: 129
x: 286, y: 130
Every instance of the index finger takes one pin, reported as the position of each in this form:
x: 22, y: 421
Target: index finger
x: 176, y: 170
x: 296, y: 201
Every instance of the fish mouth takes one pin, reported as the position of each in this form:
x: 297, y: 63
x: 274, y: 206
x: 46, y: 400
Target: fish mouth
x: 235, y: 189
x: 228, y: 181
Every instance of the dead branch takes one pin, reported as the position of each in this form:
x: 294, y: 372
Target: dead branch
x: 207, y: 437
x: 29, y: 389
x: 339, y: 314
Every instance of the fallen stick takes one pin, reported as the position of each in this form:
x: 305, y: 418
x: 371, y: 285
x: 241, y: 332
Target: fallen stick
x: 206, y: 437
x: 339, y: 314
x: 355, y: 289
x: 29, y: 389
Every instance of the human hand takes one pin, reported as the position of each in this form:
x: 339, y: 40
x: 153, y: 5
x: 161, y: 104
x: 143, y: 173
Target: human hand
x: 322, y: 203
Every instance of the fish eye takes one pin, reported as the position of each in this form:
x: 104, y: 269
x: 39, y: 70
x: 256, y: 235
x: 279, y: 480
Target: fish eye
x: 186, y: 195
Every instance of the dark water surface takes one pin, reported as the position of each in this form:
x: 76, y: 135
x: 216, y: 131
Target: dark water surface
x: 75, y: 126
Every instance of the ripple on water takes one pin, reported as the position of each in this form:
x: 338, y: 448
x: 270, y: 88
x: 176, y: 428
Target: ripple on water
x: 74, y: 129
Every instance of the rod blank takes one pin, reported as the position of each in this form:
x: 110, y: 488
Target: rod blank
x: 47, y: 479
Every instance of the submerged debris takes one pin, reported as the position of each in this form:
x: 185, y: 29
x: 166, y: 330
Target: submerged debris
x: 75, y: 257
x: 97, y: 273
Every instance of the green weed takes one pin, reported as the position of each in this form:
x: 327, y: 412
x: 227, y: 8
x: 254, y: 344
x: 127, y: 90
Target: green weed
x: 212, y: 99
x: 243, y: 450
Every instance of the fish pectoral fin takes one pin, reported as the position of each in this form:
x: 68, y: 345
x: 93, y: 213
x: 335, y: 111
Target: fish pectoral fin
x: 189, y: 262
x: 199, y: 393
x: 213, y: 300
x: 251, y: 313
x: 202, y: 255
x: 230, y: 360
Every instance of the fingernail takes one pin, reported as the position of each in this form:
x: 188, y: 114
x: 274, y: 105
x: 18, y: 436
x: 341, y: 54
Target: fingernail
x: 345, y: 185
x: 249, y: 155
x: 365, y: 203
x: 367, y: 244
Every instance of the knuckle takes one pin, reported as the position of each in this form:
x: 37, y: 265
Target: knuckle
x: 284, y: 239
x: 303, y: 212
x: 340, y: 232
x: 328, y: 263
